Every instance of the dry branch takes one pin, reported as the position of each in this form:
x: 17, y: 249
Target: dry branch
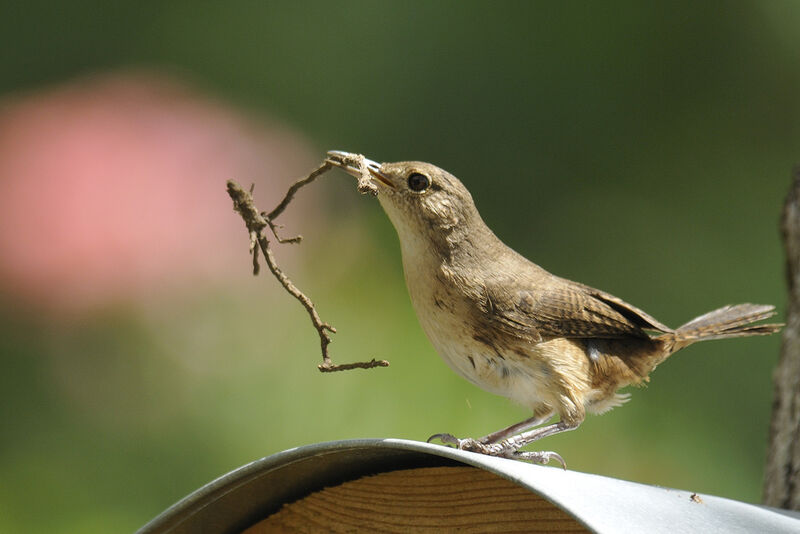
x: 256, y: 221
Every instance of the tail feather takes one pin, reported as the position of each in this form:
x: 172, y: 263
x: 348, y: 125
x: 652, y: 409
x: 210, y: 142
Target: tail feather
x: 726, y: 322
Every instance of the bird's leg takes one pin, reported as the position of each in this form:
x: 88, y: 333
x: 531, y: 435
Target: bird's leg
x: 515, y: 443
x: 516, y: 428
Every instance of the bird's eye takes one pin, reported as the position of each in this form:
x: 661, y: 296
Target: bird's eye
x: 418, y: 182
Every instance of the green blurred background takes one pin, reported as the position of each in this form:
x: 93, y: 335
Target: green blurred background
x: 642, y: 148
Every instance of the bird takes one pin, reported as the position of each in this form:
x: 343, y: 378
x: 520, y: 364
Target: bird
x: 555, y: 346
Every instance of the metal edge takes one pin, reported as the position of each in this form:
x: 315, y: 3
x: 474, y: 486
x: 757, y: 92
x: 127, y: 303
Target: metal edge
x: 599, y: 503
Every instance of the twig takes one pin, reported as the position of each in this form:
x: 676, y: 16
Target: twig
x: 256, y: 222
x: 366, y: 185
x: 326, y: 165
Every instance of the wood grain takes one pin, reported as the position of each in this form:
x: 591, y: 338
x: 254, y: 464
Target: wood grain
x: 431, y: 499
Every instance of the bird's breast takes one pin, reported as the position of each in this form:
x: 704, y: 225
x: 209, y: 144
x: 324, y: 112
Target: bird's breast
x: 445, y: 308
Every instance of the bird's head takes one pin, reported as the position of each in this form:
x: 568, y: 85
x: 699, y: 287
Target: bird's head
x: 421, y: 200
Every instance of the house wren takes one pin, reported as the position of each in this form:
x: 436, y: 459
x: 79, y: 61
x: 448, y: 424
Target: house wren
x: 512, y: 328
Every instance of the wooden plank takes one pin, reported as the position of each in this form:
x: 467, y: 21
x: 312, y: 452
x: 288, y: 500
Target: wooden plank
x: 431, y: 499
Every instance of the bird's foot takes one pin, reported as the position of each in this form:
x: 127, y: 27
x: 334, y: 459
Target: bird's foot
x: 540, y: 457
x: 467, y: 444
x: 503, y: 449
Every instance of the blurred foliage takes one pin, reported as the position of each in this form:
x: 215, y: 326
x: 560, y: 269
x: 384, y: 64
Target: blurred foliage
x: 643, y: 148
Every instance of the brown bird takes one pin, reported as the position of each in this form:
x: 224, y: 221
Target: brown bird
x: 508, y: 326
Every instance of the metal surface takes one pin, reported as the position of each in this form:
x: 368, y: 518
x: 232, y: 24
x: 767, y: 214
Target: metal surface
x: 252, y: 492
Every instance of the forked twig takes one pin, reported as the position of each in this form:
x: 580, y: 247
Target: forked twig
x: 256, y: 221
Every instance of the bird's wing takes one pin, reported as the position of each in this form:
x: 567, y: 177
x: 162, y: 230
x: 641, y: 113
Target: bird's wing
x: 562, y: 308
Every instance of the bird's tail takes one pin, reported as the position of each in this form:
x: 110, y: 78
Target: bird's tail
x: 725, y: 322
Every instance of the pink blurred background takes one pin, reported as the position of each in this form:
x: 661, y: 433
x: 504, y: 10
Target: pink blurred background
x: 112, y: 188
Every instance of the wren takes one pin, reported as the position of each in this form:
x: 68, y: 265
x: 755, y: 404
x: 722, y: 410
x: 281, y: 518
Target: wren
x: 555, y: 346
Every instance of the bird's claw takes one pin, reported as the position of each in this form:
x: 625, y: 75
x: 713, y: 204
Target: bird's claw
x: 466, y: 444
x: 540, y: 457
x: 448, y: 439
x: 503, y: 449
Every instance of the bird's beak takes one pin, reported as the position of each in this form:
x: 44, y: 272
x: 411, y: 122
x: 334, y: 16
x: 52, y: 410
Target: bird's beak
x: 344, y: 160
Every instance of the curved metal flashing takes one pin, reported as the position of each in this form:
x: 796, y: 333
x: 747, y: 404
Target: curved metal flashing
x: 244, y: 496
